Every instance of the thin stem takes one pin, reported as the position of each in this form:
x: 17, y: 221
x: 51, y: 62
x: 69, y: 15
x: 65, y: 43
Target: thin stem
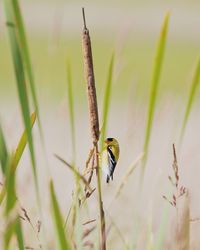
x: 84, y: 21
x: 101, y: 210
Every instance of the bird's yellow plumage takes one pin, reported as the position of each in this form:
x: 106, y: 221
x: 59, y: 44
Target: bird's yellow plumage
x: 110, y: 156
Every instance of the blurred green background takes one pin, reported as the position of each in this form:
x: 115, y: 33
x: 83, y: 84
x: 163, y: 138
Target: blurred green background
x: 130, y: 29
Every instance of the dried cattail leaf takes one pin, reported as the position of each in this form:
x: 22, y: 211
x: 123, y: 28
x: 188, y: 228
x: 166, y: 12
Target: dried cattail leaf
x: 88, y: 194
x: 91, y: 153
x: 91, y: 172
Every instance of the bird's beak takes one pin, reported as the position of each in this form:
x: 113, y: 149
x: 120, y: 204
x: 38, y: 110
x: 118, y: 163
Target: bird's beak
x: 106, y: 141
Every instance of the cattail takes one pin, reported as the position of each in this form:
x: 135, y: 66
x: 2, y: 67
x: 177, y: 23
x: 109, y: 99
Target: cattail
x: 90, y: 80
x: 94, y: 120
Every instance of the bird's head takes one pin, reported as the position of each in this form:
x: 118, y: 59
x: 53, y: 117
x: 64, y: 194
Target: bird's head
x: 111, y: 142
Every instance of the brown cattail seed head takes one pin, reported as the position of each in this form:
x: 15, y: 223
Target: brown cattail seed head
x: 90, y: 80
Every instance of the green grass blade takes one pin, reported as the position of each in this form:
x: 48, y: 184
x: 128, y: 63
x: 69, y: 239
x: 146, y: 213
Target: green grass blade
x: 25, y: 54
x: 59, y: 225
x: 10, y: 189
x: 191, y: 97
x: 157, y: 67
x: 14, y: 228
x: 106, y: 101
x: 18, y: 154
x: 3, y: 151
x: 22, y: 143
x: 19, y: 234
x: 21, y: 84
x: 71, y: 108
x: 10, y: 230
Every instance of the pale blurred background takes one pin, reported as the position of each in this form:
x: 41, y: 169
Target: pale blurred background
x: 131, y: 30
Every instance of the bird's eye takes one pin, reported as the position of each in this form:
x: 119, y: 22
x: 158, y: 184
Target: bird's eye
x: 109, y: 139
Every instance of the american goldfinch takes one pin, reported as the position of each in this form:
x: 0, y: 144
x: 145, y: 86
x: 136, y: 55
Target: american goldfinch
x: 110, y: 156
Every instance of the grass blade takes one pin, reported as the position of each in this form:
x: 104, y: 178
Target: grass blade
x: 21, y: 84
x: 18, y: 153
x: 191, y: 97
x: 22, y: 144
x: 10, y: 229
x: 19, y: 234
x: 3, y: 151
x: 10, y: 189
x: 63, y: 244
x: 25, y: 54
x: 71, y: 108
x: 157, y: 67
x: 106, y: 101
x: 127, y: 174
x: 77, y: 174
x: 14, y: 228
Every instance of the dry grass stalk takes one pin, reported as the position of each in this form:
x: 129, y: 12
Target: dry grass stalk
x: 39, y: 224
x: 180, y: 201
x: 128, y: 173
x: 94, y: 118
x: 89, y: 244
x: 101, y: 210
x: 183, y: 233
x: 87, y: 232
x: 88, y: 222
x: 91, y: 169
x: 81, y: 177
x: 87, y: 196
x: 36, y: 231
x: 90, y: 156
x: 195, y: 220
x: 175, y: 182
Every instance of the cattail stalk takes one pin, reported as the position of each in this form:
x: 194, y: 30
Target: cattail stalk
x: 94, y: 118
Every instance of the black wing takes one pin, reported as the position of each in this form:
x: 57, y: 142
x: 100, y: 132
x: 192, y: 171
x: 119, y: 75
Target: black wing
x: 111, y: 164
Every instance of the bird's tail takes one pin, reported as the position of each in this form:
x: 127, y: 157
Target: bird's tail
x: 108, y: 178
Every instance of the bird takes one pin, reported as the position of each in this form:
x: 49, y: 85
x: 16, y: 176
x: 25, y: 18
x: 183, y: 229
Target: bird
x: 110, y: 156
